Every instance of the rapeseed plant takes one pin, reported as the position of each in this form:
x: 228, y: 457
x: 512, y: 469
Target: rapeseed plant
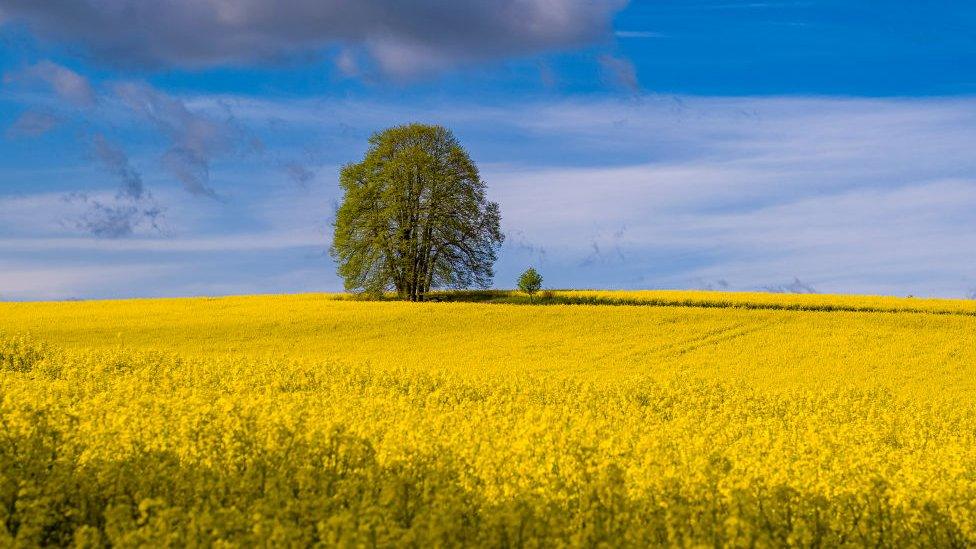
x: 304, y: 420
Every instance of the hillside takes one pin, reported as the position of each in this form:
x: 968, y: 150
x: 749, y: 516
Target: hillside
x: 294, y: 420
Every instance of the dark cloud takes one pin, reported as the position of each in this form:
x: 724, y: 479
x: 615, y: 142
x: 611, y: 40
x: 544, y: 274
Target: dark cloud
x: 195, y: 139
x: 610, y: 251
x: 115, y: 218
x: 32, y: 124
x: 66, y: 83
x: 795, y: 287
x: 517, y: 241
x: 720, y: 285
x: 620, y: 71
x: 117, y: 162
x: 402, y: 38
x: 133, y: 206
x: 299, y: 173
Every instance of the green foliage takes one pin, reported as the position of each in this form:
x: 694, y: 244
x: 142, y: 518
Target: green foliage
x: 530, y: 282
x: 414, y: 216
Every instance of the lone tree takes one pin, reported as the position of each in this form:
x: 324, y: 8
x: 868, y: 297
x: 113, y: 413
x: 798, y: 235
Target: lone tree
x: 530, y: 282
x: 414, y: 216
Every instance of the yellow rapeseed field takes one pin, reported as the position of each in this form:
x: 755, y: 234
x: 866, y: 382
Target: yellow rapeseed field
x: 668, y: 418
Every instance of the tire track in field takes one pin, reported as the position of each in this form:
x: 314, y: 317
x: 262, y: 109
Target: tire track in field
x: 755, y: 327
x: 713, y: 337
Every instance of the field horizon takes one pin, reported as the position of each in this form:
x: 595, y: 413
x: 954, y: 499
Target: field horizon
x: 598, y: 296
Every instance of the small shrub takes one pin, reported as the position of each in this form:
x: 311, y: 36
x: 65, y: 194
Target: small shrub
x: 530, y: 282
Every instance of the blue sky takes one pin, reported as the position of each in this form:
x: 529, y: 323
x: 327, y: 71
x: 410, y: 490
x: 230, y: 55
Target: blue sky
x: 192, y: 147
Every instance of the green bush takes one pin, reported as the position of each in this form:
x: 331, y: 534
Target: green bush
x: 530, y: 282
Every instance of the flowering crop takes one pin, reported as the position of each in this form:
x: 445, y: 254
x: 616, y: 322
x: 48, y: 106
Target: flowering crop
x: 299, y: 420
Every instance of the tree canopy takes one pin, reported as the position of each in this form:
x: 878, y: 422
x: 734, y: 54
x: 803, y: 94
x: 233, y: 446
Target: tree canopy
x: 414, y: 216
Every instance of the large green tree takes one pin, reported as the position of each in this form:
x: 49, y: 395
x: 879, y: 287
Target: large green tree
x: 414, y: 216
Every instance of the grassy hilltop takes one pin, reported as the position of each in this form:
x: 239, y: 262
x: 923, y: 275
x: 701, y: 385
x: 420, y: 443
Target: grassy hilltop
x: 667, y: 418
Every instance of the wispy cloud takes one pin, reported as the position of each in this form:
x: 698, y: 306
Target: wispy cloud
x: 620, y: 71
x: 754, y: 5
x: 66, y: 281
x: 132, y: 207
x: 195, y: 139
x: 116, y: 218
x: 547, y: 75
x: 606, y: 248
x: 516, y: 243
x: 753, y: 191
x: 66, y: 83
x: 797, y: 286
x: 299, y: 173
x: 848, y: 195
x: 117, y: 162
x: 241, y: 242
x: 32, y: 124
x: 717, y: 285
x: 347, y: 64
x: 638, y: 34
